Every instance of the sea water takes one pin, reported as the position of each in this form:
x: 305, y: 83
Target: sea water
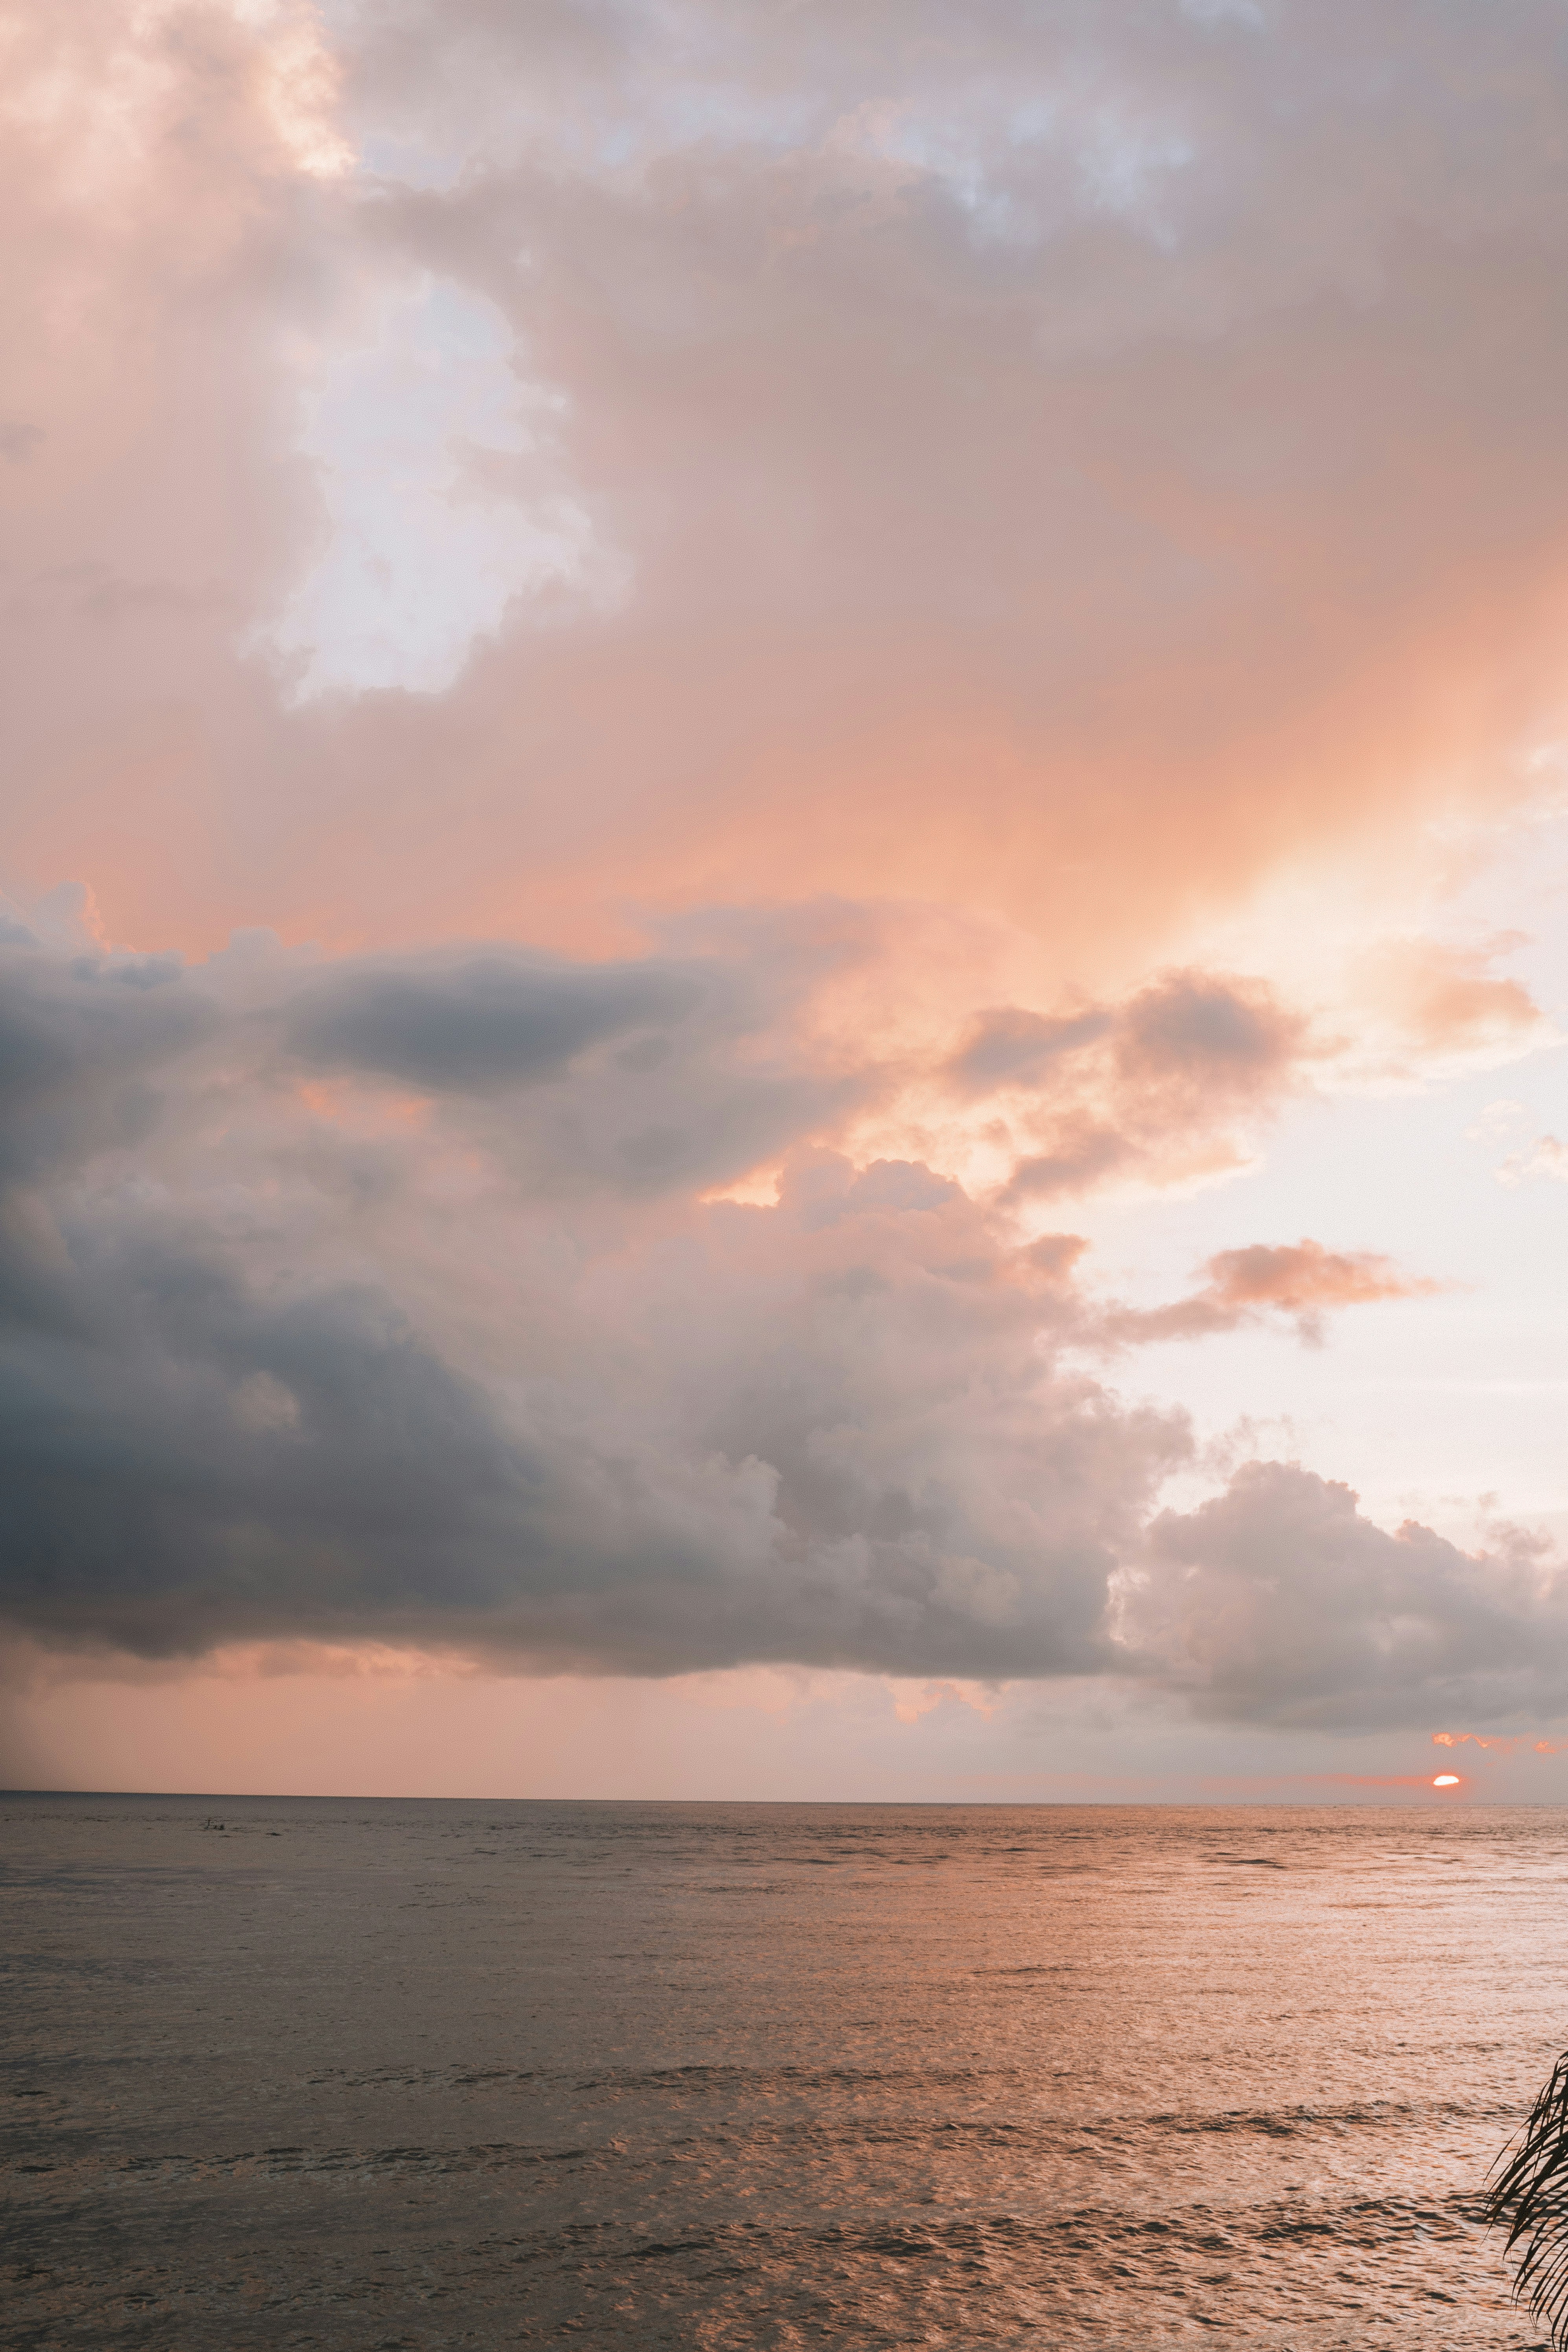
x: 288, y: 2071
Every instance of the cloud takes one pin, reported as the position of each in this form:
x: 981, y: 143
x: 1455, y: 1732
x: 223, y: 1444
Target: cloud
x: 1278, y: 1602
x: 1500, y: 1744
x: 822, y: 1433
x: 80, y: 1039
x: 1547, y: 1156
x: 1447, y: 1001
x: 325, y: 1361
x: 486, y: 1021
x: 1195, y: 1031
x: 1170, y: 1079
x: 933, y: 479
x: 1024, y: 485
x: 683, y: 1069
x: 1301, y: 1280
x: 1013, y: 1048
x: 277, y: 1363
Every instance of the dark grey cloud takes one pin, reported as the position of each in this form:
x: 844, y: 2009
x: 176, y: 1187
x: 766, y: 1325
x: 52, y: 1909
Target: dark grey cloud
x: 679, y: 1070
x: 243, y: 1391
x: 852, y: 1454
x: 80, y: 1040
x: 190, y: 1460
x: 800, y: 1469
x: 489, y: 1020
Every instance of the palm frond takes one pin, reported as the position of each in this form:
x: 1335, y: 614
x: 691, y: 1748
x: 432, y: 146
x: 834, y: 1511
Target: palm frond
x: 1529, y: 2197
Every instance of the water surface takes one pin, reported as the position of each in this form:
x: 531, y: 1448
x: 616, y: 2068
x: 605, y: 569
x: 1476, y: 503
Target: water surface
x: 372, y: 2074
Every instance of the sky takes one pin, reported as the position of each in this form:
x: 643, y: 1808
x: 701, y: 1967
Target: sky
x: 782, y: 871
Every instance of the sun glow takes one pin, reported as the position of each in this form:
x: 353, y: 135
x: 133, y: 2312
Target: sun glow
x: 1447, y: 1780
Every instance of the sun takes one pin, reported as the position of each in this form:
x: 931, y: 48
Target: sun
x: 1447, y: 1780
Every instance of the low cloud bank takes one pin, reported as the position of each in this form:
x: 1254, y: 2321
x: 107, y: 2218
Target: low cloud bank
x: 351, y: 1300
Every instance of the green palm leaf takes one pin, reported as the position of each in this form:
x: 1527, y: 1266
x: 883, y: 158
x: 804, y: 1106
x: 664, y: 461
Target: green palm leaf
x: 1529, y: 2197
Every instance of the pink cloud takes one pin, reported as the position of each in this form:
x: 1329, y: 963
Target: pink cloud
x: 1302, y: 1280
x: 980, y: 531
x: 1446, y: 999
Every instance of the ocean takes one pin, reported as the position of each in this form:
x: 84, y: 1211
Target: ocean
x: 352, y: 2073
